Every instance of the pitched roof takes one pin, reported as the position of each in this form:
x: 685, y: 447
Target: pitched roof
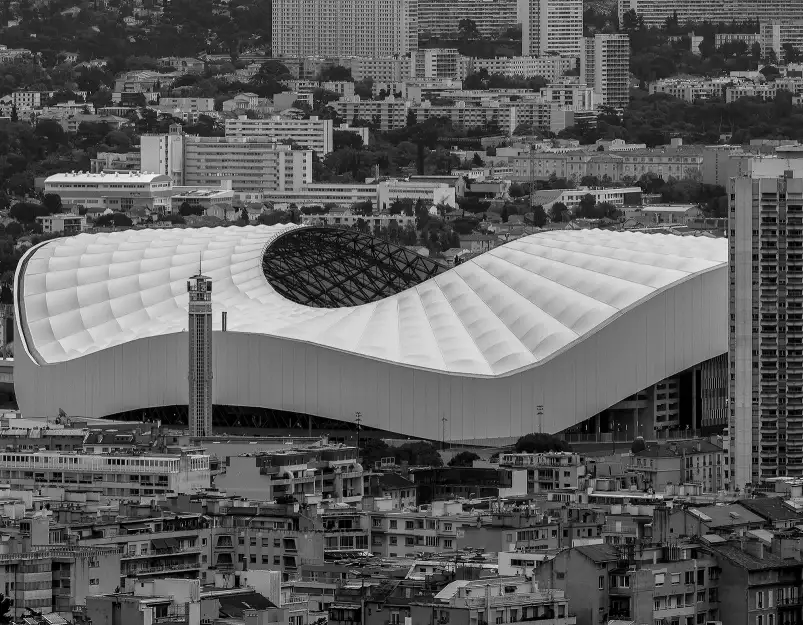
x: 732, y: 515
x: 599, y: 553
x: 770, y: 508
x: 748, y: 561
x: 236, y: 605
x: 679, y: 448
x: 393, y: 481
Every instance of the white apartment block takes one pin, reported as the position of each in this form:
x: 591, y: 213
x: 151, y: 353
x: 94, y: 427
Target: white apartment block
x: 691, y: 89
x: 666, y: 162
x: 381, y: 195
x: 189, y: 105
x: 69, y: 224
x: 775, y: 33
x: 605, y: 67
x: 382, y: 68
x: 765, y: 91
x: 552, y: 67
x: 551, y: 26
x: 435, y: 63
x: 254, y: 165
x: 441, y: 17
x: 331, y: 28
x: 656, y: 12
x: 570, y: 95
x: 116, y: 475
x: 489, y: 114
x: 765, y: 243
x: 340, y: 87
x: 388, y: 114
x: 115, y: 191
x: 720, y: 39
x: 313, y: 133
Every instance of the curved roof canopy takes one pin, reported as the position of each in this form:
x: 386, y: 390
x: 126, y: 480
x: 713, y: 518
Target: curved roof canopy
x: 508, y: 309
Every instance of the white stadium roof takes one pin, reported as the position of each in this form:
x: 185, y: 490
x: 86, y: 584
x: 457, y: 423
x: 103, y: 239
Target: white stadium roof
x: 503, y: 313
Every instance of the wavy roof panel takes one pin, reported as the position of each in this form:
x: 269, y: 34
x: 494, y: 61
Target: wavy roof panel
x: 508, y: 309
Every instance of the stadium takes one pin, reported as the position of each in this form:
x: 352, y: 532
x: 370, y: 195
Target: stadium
x: 541, y: 334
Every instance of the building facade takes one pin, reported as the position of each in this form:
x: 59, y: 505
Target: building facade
x: 199, y: 339
x: 313, y: 133
x: 344, y: 27
x: 115, y: 191
x: 766, y: 327
x: 440, y: 18
x: 605, y: 67
x: 551, y: 26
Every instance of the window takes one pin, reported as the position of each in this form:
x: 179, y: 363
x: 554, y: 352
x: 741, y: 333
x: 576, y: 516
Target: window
x: 760, y: 620
x: 601, y: 584
x: 447, y: 543
x: 675, y: 578
x: 94, y: 581
x: 393, y: 525
x: 659, y: 579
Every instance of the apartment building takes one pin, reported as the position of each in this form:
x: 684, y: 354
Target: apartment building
x: 605, y: 67
x: 350, y: 219
x: 387, y: 114
x: 551, y: 67
x: 117, y: 476
x: 609, y: 583
x: 111, y: 161
x: 313, y: 133
x: 766, y: 325
x: 150, y: 543
x: 691, y: 89
x: 440, y: 18
x: 490, y: 114
x: 665, y: 162
x: 381, y: 195
x: 570, y: 95
x: 57, y: 579
x: 435, y: 63
x: 116, y: 191
x: 258, y: 537
x: 548, y: 471
x: 765, y: 91
x: 254, y: 165
x: 340, y: 87
x: 310, y: 475
x: 721, y: 39
x: 439, y: 529
x: 684, y: 462
x: 551, y: 27
x: 655, y: 13
x: 69, y: 224
x: 332, y: 28
x: 714, y: 386
x: 776, y: 33
x: 189, y: 105
x: 379, y: 68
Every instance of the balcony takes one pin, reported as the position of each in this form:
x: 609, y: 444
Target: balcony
x: 161, y: 553
x: 161, y: 570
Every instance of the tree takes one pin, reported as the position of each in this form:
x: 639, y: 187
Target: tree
x: 790, y: 53
x: 335, y: 73
x: 539, y: 216
x: 539, y: 443
x: 244, y: 217
x: 52, y: 202
x: 27, y: 212
x: 468, y: 28
x: 114, y: 220
x: 421, y: 454
x: 5, y: 610
x: 189, y: 209
x: 586, y: 206
x: 638, y: 445
x: 464, y: 459
x: 559, y: 212
x: 505, y: 214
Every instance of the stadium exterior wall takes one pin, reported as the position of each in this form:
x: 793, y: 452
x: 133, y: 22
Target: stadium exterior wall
x: 677, y: 327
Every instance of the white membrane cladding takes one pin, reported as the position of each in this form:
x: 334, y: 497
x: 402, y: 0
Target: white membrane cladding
x: 509, y: 309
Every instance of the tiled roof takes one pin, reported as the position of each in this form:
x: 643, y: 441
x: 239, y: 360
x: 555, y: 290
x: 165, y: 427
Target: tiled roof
x: 599, y: 553
x: 770, y: 508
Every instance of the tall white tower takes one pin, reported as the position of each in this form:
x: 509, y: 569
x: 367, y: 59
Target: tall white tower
x: 200, y: 369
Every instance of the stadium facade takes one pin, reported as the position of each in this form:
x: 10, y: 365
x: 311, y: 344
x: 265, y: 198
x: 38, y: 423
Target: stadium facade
x: 536, y: 335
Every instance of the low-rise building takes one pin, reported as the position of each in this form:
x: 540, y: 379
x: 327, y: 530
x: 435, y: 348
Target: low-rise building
x: 213, y: 201
x: 683, y: 462
x: 312, y: 133
x: 117, y: 476
x: 115, y: 191
x: 310, y: 474
x: 387, y: 114
x: 68, y: 224
x: 552, y: 68
x: 548, y: 471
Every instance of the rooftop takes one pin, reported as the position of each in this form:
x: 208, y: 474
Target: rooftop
x: 680, y: 448
x: 85, y: 177
x: 770, y: 508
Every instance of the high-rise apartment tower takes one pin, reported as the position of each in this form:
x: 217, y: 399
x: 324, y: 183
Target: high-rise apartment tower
x: 551, y: 27
x: 200, y: 362
x: 765, y: 421
x: 605, y: 67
